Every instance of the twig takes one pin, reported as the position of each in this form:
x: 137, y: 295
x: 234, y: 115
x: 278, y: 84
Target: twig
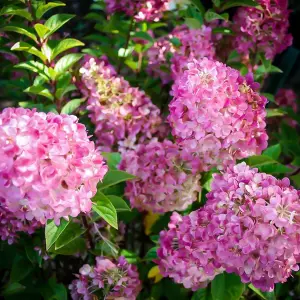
x: 88, y: 233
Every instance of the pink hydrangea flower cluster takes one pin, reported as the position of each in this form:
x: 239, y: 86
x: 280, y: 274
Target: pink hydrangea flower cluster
x: 195, y: 44
x: 249, y: 225
x: 167, y: 61
x: 123, y: 115
x: 159, y: 59
x: 187, y: 253
x: 141, y: 10
x: 164, y: 182
x: 263, y: 30
x: 11, y: 227
x: 287, y: 97
x: 217, y: 115
x: 109, y: 279
x: 48, y: 166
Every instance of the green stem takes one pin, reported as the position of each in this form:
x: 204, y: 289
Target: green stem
x: 126, y: 44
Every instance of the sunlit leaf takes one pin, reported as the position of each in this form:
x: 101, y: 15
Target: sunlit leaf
x: 57, y: 21
x: 64, y: 45
x: 42, y: 9
x: 104, y: 208
x: 22, y: 46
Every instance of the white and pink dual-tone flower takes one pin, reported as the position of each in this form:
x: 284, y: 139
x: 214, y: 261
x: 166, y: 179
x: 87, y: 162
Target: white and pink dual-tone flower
x: 123, y: 115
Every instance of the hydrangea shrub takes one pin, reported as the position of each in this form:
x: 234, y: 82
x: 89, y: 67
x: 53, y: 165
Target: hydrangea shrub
x: 148, y: 150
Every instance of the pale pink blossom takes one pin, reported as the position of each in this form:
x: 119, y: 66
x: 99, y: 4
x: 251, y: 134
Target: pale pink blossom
x: 49, y: 168
x: 217, y: 115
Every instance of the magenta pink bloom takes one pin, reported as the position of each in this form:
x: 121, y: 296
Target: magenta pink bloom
x: 49, y: 168
x: 11, y: 227
x: 262, y: 30
x: 141, y: 10
x: 164, y: 181
x: 167, y: 60
x: 287, y: 98
x: 187, y: 252
x: 110, y: 279
x: 256, y: 221
x: 249, y: 225
x: 217, y: 115
x: 123, y: 115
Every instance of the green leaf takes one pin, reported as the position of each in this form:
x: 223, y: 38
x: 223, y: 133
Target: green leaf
x: 192, y: 23
x: 42, y: 9
x: 130, y: 256
x: 67, y: 62
x: 39, y: 90
x: 260, y: 160
x: 27, y: 104
x: 133, y: 65
x: 36, y: 67
x: 273, y: 151
x: 202, y: 294
x: 53, y: 232
x: 104, y: 208
x: 41, y: 30
x: 143, y: 35
x: 76, y: 246
x: 119, y: 203
x: 151, y: 254
x: 227, y: 287
x: 21, y: 30
x: 71, y: 106
x: 199, y: 5
x: 175, y: 41
x: 15, y: 11
x: 269, y: 96
x: 216, y: 2
x: 223, y: 30
x: 112, y: 159
x: 70, y: 233
x: 211, y: 15
x: 57, y: 291
x: 275, y: 169
x: 60, y: 92
x: 266, y: 62
x: 234, y: 3
x: 20, y: 269
x: 257, y: 291
x: 263, y: 295
x: 275, y: 112
x: 57, y: 21
x: 274, y: 69
x: 64, y: 45
x: 105, y: 247
x: 13, y: 288
x: 113, y: 177
x: 22, y: 46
